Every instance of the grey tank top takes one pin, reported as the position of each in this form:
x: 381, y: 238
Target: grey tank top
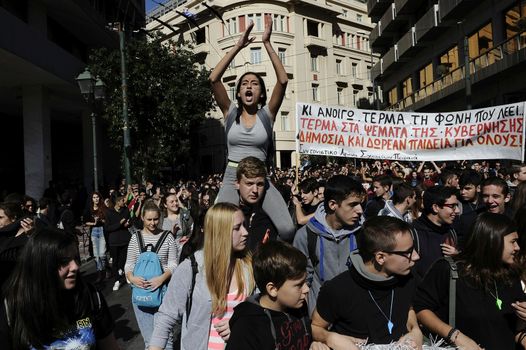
x: 243, y: 142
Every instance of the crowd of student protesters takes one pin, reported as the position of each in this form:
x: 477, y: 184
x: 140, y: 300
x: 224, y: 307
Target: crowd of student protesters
x: 366, y: 276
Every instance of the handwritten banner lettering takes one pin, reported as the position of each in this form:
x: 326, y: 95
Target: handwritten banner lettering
x: 487, y: 133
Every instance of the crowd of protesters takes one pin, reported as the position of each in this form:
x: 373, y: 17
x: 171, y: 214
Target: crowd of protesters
x: 331, y: 256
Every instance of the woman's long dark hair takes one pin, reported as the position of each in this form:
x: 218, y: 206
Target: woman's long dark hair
x: 262, y: 101
x: 100, y: 212
x: 36, y: 301
x: 481, y: 260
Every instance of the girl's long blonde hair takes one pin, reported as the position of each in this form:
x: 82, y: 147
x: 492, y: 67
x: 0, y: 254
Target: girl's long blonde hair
x: 221, y: 262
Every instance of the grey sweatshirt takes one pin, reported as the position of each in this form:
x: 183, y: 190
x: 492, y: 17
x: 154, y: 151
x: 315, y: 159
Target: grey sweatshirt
x: 337, y: 246
x: 196, y: 330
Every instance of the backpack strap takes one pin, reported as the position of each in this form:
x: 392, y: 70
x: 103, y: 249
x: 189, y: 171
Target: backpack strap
x: 195, y: 269
x: 160, y: 242
x: 312, y: 238
x: 453, y: 276
x: 140, y: 241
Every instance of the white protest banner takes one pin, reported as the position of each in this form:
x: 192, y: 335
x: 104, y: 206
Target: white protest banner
x: 486, y: 133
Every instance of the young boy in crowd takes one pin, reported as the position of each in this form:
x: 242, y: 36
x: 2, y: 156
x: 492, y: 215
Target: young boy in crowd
x: 277, y: 317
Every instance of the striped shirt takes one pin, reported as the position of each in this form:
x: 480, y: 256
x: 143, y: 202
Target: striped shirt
x: 168, y: 252
x: 215, y: 342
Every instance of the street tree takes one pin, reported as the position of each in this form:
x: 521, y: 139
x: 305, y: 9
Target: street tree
x: 168, y: 97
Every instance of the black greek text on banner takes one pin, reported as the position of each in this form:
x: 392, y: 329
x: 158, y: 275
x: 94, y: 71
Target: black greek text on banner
x: 486, y: 133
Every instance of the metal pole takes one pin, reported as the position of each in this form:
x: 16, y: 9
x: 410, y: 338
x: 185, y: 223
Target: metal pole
x: 95, y: 171
x: 124, y: 86
x: 467, y: 74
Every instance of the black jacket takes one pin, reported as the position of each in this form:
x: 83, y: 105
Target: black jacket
x: 254, y: 327
x: 118, y: 234
x: 430, y: 237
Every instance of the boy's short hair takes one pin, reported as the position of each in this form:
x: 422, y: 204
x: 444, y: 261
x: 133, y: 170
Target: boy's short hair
x: 498, y: 182
x: 470, y: 177
x: 379, y: 234
x: 401, y: 192
x: 383, y: 180
x: 277, y: 262
x: 251, y: 167
x: 338, y: 188
x: 309, y: 185
x: 437, y: 195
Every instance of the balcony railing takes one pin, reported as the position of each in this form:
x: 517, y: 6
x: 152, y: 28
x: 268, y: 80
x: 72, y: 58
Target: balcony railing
x: 486, y: 59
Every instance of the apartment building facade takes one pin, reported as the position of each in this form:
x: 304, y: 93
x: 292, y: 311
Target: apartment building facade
x: 446, y: 55
x: 46, y: 124
x: 323, y: 45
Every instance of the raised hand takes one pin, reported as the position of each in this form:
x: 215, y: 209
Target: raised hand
x: 268, y: 29
x: 245, y: 38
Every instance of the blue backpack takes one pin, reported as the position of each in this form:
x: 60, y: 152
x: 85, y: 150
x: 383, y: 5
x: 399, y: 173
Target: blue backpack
x: 148, y: 266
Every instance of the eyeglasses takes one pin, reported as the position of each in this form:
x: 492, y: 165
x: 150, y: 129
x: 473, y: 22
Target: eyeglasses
x: 451, y: 206
x: 408, y: 254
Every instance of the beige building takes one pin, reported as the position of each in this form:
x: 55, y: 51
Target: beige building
x: 323, y: 44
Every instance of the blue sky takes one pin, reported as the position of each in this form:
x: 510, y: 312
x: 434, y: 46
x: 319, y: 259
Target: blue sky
x: 150, y: 4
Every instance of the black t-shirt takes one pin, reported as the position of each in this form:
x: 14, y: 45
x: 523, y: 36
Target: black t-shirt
x: 84, y: 330
x: 477, y: 315
x: 258, y: 223
x: 345, y: 302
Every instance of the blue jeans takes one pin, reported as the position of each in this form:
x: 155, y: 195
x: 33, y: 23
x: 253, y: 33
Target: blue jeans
x: 99, y: 247
x: 144, y: 316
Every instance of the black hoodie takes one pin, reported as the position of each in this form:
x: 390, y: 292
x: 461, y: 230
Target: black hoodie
x: 252, y: 327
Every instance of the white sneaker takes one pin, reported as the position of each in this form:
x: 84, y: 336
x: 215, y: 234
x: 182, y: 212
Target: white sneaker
x: 116, y: 286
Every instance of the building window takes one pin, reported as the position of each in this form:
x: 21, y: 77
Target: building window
x: 354, y: 69
x: 312, y: 28
x: 352, y: 41
x: 339, y: 67
x: 232, y: 64
x: 481, y: 41
x: 278, y: 23
x: 369, y: 75
x: 258, y: 21
x: 354, y: 97
x: 232, y: 26
x: 345, y: 13
x: 449, y: 62
x: 285, y: 126
x: 255, y: 55
x: 393, y: 96
x: 426, y: 75
x: 315, y: 93
x: 200, y: 36
x: 232, y: 91
x: 339, y: 95
x: 359, y: 17
x: 407, y: 87
x: 313, y: 63
x: 513, y: 26
x: 282, y: 55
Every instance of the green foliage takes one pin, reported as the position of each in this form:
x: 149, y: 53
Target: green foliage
x: 168, y: 96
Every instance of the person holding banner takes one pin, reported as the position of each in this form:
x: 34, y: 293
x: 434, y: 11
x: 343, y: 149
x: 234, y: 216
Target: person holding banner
x: 249, y: 124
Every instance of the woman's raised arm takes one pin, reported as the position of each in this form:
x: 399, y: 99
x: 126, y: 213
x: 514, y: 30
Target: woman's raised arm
x: 282, y: 79
x: 218, y: 89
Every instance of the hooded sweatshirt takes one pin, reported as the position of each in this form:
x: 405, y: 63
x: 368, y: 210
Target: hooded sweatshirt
x: 255, y: 327
x: 333, y: 248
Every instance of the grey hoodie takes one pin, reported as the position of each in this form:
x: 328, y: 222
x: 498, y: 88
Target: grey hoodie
x: 337, y: 246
